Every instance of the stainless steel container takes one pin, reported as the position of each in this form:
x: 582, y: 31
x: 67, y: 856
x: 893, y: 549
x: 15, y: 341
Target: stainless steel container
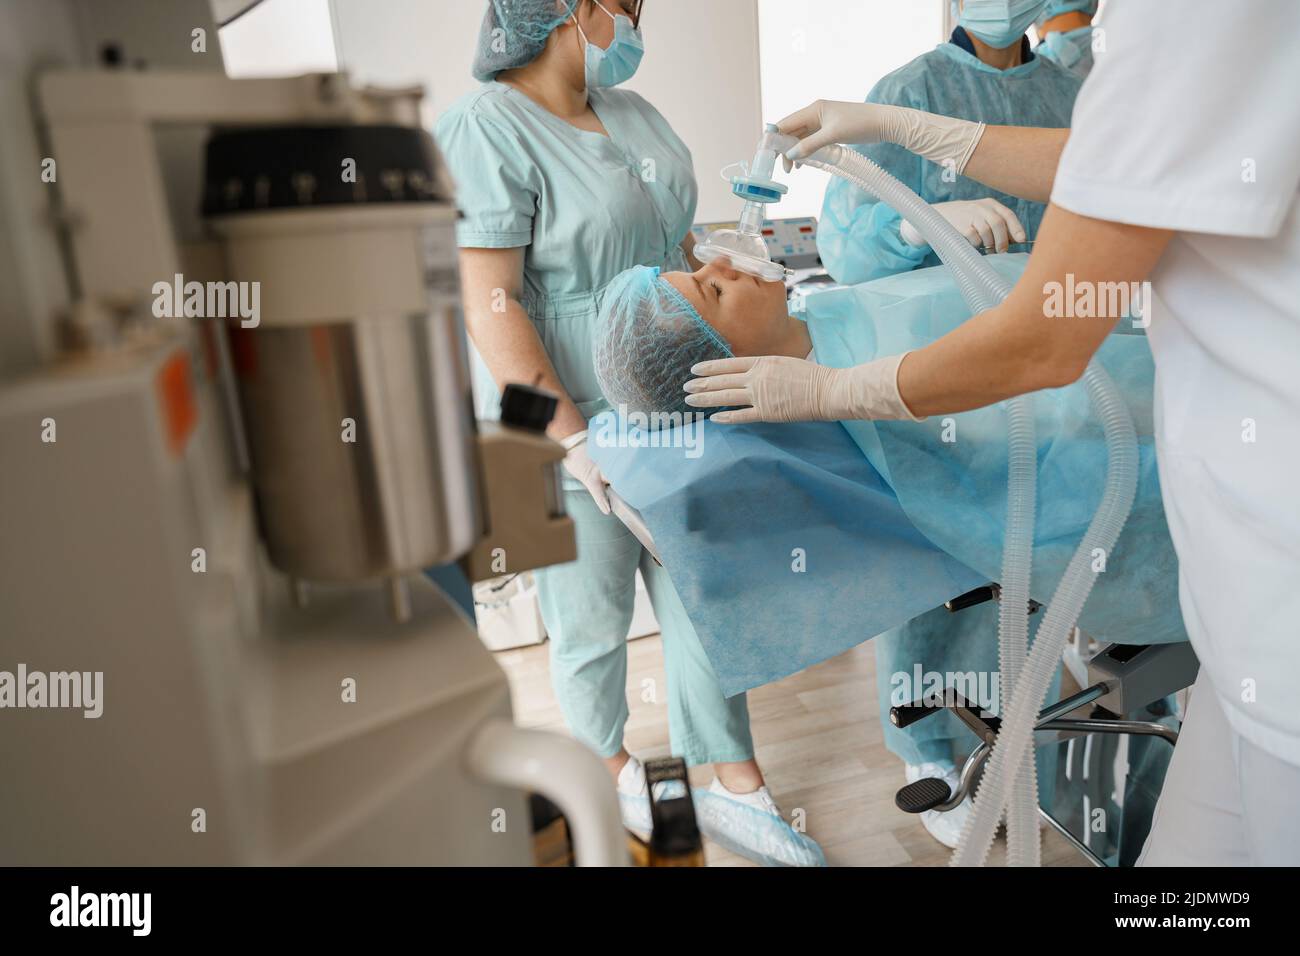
x: 353, y: 380
x: 360, y: 438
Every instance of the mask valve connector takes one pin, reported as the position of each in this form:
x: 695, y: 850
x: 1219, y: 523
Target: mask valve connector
x: 744, y: 245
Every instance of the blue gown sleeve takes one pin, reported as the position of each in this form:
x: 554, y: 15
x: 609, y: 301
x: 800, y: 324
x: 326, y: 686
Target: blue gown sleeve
x: 858, y: 236
x: 496, y: 185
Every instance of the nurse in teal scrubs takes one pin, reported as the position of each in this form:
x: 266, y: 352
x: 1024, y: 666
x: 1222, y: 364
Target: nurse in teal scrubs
x: 564, y: 182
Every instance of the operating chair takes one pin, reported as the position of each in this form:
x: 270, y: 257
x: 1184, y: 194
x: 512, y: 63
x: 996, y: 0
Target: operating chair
x: 1121, y: 679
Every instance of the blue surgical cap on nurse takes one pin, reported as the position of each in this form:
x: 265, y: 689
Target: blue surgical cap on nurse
x: 1055, y: 8
x: 646, y: 339
x: 514, y: 32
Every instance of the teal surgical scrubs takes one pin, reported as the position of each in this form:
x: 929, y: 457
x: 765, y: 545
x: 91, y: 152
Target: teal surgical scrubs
x: 585, y: 207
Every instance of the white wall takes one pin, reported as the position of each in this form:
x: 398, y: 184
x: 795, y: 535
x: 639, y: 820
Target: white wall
x: 402, y: 42
x: 700, y: 69
x: 835, y: 50
x: 280, y: 38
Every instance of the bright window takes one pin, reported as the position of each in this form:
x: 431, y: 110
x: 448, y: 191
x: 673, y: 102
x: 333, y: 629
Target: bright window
x: 280, y: 38
x: 834, y: 50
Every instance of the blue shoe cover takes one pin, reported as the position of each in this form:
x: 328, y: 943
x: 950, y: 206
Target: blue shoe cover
x: 753, y: 834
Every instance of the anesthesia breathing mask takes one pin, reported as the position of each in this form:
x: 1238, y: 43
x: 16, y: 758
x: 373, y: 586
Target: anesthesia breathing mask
x: 744, y: 245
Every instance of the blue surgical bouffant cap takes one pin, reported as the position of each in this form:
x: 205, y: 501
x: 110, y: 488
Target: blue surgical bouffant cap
x: 514, y: 32
x: 1055, y: 8
x: 646, y: 339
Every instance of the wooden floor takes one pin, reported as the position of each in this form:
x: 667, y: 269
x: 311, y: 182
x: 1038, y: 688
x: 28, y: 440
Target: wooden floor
x: 818, y: 741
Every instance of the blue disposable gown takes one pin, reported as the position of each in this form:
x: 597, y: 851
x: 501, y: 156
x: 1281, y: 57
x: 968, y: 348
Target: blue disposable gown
x: 1069, y: 49
x: 858, y: 236
x: 949, y: 473
x: 858, y: 239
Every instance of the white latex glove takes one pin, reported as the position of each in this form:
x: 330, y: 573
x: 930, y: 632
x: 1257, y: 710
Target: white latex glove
x: 984, y: 222
x: 778, y: 388
x: 579, y: 464
x: 940, y: 139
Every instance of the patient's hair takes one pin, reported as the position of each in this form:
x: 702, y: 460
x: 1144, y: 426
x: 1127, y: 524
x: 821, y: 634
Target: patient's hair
x: 646, y: 339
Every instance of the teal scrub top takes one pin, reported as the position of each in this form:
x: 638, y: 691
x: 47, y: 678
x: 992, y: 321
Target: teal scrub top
x: 585, y: 206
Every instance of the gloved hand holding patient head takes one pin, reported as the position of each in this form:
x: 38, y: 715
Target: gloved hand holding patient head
x: 653, y: 327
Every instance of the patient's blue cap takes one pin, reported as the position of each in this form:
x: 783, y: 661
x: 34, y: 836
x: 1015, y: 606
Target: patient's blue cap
x: 646, y: 339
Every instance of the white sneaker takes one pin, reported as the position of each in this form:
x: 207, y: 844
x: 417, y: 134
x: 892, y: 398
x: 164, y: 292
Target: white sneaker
x: 634, y: 797
x: 943, y: 826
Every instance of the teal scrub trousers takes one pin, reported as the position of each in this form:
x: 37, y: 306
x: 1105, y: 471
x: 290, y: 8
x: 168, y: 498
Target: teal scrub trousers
x: 587, y: 608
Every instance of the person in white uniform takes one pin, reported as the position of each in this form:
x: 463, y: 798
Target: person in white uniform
x: 1192, y: 185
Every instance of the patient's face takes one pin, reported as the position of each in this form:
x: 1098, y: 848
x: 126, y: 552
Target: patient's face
x: 749, y: 313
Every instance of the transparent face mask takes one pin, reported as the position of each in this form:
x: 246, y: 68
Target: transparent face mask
x: 744, y: 245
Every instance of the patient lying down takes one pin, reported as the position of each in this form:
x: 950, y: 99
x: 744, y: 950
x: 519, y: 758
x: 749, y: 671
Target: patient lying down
x: 902, y: 514
x: 653, y: 327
